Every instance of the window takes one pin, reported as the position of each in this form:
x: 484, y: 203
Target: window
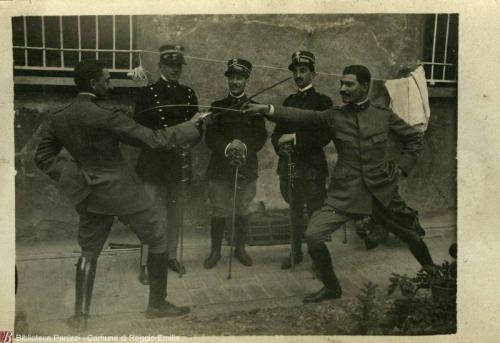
x: 441, y: 49
x: 52, y: 45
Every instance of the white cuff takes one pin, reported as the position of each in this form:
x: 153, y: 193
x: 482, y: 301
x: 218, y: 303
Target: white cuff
x: 225, y: 150
x: 271, y: 109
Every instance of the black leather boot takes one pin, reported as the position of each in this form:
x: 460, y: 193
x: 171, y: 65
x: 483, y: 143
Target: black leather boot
x: 143, y: 270
x: 85, y: 276
x: 216, y: 236
x: 158, y: 307
x: 332, y: 290
x: 421, y: 252
x: 240, y: 240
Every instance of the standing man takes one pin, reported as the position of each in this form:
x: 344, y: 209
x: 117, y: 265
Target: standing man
x: 305, y: 146
x: 364, y: 182
x: 101, y: 186
x: 162, y: 171
x: 234, y: 139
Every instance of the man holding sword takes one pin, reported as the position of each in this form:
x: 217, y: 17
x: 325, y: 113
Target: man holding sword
x: 364, y: 182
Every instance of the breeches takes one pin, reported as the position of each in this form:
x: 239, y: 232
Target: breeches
x: 94, y: 230
x: 397, y: 218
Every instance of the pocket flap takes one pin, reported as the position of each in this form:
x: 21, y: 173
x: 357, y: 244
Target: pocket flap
x: 381, y: 137
x: 343, y: 136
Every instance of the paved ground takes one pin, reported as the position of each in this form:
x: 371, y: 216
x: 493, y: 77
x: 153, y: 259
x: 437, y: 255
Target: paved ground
x: 46, y: 274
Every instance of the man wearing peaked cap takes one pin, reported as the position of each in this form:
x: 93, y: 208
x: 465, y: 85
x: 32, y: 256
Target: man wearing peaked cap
x: 306, y: 148
x: 162, y: 172
x: 234, y: 140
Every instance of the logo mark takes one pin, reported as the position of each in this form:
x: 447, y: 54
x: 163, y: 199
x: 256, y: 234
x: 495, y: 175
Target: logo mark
x: 5, y: 336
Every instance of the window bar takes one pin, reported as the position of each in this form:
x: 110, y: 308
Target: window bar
x: 446, y: 45
x: 434, y: 47
x: 130, y: 42
x: 61, y: 40
x: 114, y: 42
x: 96, y: 37
x: 79, y: 39
x: 25, y: 27
x: 44, y: 57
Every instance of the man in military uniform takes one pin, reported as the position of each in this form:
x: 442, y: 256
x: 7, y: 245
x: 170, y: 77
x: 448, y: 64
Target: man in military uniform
x: 364, y: 182
x: 234, y: 140
x: 305, y: 147
x: 100, y: 185
x: 163, y: 172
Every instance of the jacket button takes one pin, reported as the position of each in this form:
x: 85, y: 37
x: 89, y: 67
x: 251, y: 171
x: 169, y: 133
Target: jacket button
x: 162, y: 117
x: 156, y: 95
x: 157, y: 102
x: 160, y: 110
x: 165, y: 125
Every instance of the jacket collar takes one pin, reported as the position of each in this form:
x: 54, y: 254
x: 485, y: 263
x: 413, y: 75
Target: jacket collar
x: 240, y: 97
x: 86, y: 96
x: 163, y: 79
x: 359, y: 106
x: 306, y: 89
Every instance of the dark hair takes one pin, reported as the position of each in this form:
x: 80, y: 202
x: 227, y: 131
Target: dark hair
x: 86, y: 71
x: 362, y: 73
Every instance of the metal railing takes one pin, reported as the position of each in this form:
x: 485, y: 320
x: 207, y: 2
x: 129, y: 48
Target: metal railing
x: 437, y: 39
x: 63, y: 66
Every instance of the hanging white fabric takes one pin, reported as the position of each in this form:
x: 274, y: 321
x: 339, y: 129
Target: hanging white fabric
x: 410, y: 98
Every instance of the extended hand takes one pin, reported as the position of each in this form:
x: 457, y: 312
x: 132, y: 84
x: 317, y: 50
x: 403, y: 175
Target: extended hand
x: 256, y: 109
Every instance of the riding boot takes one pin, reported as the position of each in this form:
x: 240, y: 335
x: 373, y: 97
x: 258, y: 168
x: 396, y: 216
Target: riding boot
x: 240, y: 240
x: 216, y: 235
x: 158, y: 307
x: 143, y: 270
x: 421, y: 253
x: 85, y: 276
x: 322, y: 260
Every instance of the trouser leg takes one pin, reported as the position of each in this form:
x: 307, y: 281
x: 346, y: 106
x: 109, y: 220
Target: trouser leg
x: 323, y: 222
x: 403, y: 222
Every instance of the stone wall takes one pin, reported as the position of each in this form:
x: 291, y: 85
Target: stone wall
x: 384, y: 43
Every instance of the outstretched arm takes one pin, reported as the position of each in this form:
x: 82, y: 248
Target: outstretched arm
x: 295, y: 118
x: 129, y: 132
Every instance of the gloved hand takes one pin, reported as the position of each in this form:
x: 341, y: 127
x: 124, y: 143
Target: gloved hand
x: 286, y: 149
x: 236, y: 151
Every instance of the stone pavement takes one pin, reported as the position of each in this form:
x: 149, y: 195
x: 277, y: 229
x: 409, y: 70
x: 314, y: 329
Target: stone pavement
x: 46, y: 276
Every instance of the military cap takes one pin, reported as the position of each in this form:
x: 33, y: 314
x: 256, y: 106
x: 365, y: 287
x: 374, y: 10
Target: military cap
x: 302, y: 58
x: 238, y: 66
x: 172, y: 54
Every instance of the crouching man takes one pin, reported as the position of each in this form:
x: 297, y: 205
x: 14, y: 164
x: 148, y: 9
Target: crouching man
x: 364, y: 182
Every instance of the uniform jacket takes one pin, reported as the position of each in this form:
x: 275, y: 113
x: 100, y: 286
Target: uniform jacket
x: 360, y: 135
x: 309, y: 158
x: 159, y: 166
x: 229, y: 126
x: 91, y: 134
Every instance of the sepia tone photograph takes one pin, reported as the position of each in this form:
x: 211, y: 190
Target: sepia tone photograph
x: 236, y: 175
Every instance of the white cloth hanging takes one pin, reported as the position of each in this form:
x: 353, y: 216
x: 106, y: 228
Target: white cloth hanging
x: 410, y: 98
